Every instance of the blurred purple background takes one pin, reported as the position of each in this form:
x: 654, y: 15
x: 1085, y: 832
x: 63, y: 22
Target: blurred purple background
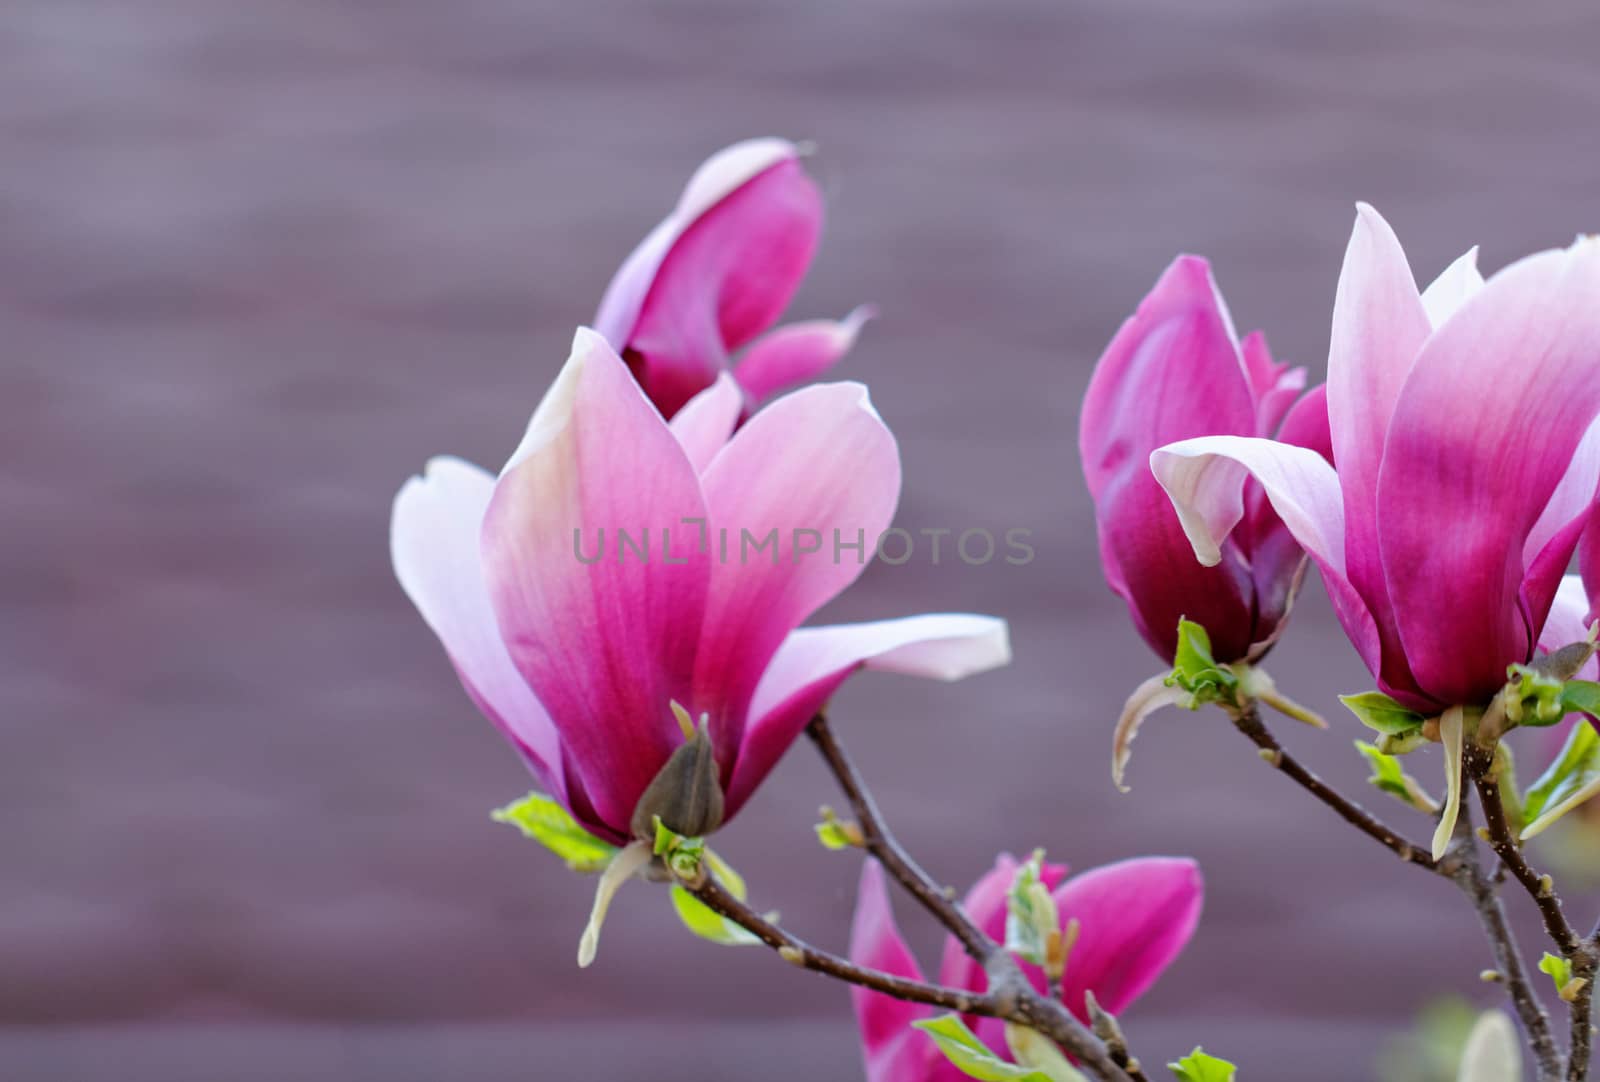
x: 257, y: 262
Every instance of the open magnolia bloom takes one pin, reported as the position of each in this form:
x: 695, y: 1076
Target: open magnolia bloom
x: 1132, y: 919
x: 714, y: 276
x: 1177, y: 369
x: 606, y: 607
x: 1465, y: 462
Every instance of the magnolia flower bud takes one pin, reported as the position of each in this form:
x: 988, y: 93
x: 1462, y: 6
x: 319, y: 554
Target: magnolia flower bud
x: 686, y: 794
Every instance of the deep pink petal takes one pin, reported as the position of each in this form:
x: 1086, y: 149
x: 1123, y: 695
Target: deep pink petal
x: 704, y: 424
x: 433, y: 539
x: 1486, y: 428
x: 1274, y: 386
x: 1172, y: 371
x: 716, y: 272
x: 1379, y: 324
x: 814, y: 463
x: 606, y: 645
x: 894, y: 1052
x: 814, y: 661
x: 797, y: 353
x: 1134, y: 918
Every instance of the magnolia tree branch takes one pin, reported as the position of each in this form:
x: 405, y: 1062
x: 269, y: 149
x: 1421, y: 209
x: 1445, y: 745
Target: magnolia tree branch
x: 1460, y: 865
x: 1012, y: 996
x: 1247, y: 719
x: 1539, y: 887
x: 1581, y: 1040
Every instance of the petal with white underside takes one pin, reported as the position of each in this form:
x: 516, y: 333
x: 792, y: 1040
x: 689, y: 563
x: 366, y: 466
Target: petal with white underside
x: 894, y: 1052
x: 797, y: 353
x: 1205, y: 480
x: 433, y: 540
x: 1453, y: 288
x: 717, y: 272
x: 813, y: 661
x: 1569, y: 622
x: 605, y: 639
x: 1497, y: 406
x: 1379, y: 324
x: 814, y: 466
x: 707, y: 420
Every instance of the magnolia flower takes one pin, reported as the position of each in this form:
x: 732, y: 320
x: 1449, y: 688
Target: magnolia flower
x: 717, y: 273
x: 664, y: 676
x: 1177, y: 369
x: 1465, y: 462
x: 1133, y: 919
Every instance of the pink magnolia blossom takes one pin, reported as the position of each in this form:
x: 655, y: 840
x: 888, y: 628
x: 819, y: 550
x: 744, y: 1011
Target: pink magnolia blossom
x: 714, y: 276
x: 1177, y: 369
x: 1134, y: 918
x: 578, y: 658
x: 1465, y: 461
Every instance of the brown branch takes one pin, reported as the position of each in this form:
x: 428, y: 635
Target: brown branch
x: 1505, y: 847
x: 1013, y: 996
x: 1581, y: 1037
x: 1247, y: 719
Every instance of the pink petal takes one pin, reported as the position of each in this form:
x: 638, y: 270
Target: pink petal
x: 717, y: 272
x: 1275, y: 386
x: 1453, y: 288
x: 1379, y: 324
x: 1173, y: 371
x: 797, y: 353
x: 814, y: 661
x: 1476, y: 452
x: 1134, y: 918
x: 704, y: 424
x: 1569, y: 621
x: 815, y: 462
x: 1205, y: 480
x: 433, y: 540
x: 894, y: 1052
x: 605, y: 645
x: 1548, y: 549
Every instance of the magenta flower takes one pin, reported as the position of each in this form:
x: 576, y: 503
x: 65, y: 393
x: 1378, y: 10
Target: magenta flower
x: 1465, y: 462
x: 1134, y: 918
x: 717, y: 273
x: 1176, y: 369
x: 577, y: 642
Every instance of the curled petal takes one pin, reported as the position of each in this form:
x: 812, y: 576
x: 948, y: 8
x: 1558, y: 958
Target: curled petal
x: 797, y: 353
x: 814, y: 661
x: 717, y: 271
x: 1146, y: 699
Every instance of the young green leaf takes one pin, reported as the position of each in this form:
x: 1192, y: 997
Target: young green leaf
x: 545, y: 821
x: 1532, y: 696
x: 1581, y: 697
x: 971, y: 1056
x: 1196, y: 671
x: 1377, y: 711
x: 1033, y: 1050
x: 1557, y: 968
x: 1031, y: 914
x: 706, y: 922
x: 1570, y: 780
x: 1389, y: 776
x: 1199, y: 1067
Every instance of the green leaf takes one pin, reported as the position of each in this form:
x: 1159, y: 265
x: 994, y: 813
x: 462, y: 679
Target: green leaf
x: 706, y: 922
x: 971, y: 1056
x: 1389, y: 776
x: 545, y: 821
x: 1532, y: 696
x: 1379, y: 712
x: 1035, y: 1051
x: 834, y: 833
x: 1196, y: 671
x: 1570, y: 780
x: 1199, y: 1067
x: 1581, y: 697
x: 682, y: 855
x: 1559, y: 969
x: 1031, y: 915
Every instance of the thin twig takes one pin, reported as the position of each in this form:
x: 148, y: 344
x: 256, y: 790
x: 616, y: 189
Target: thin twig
x: 1014, y: 997
x: 1511, y: 858
x: 1247, y: 719
x: 1581, y: 1036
